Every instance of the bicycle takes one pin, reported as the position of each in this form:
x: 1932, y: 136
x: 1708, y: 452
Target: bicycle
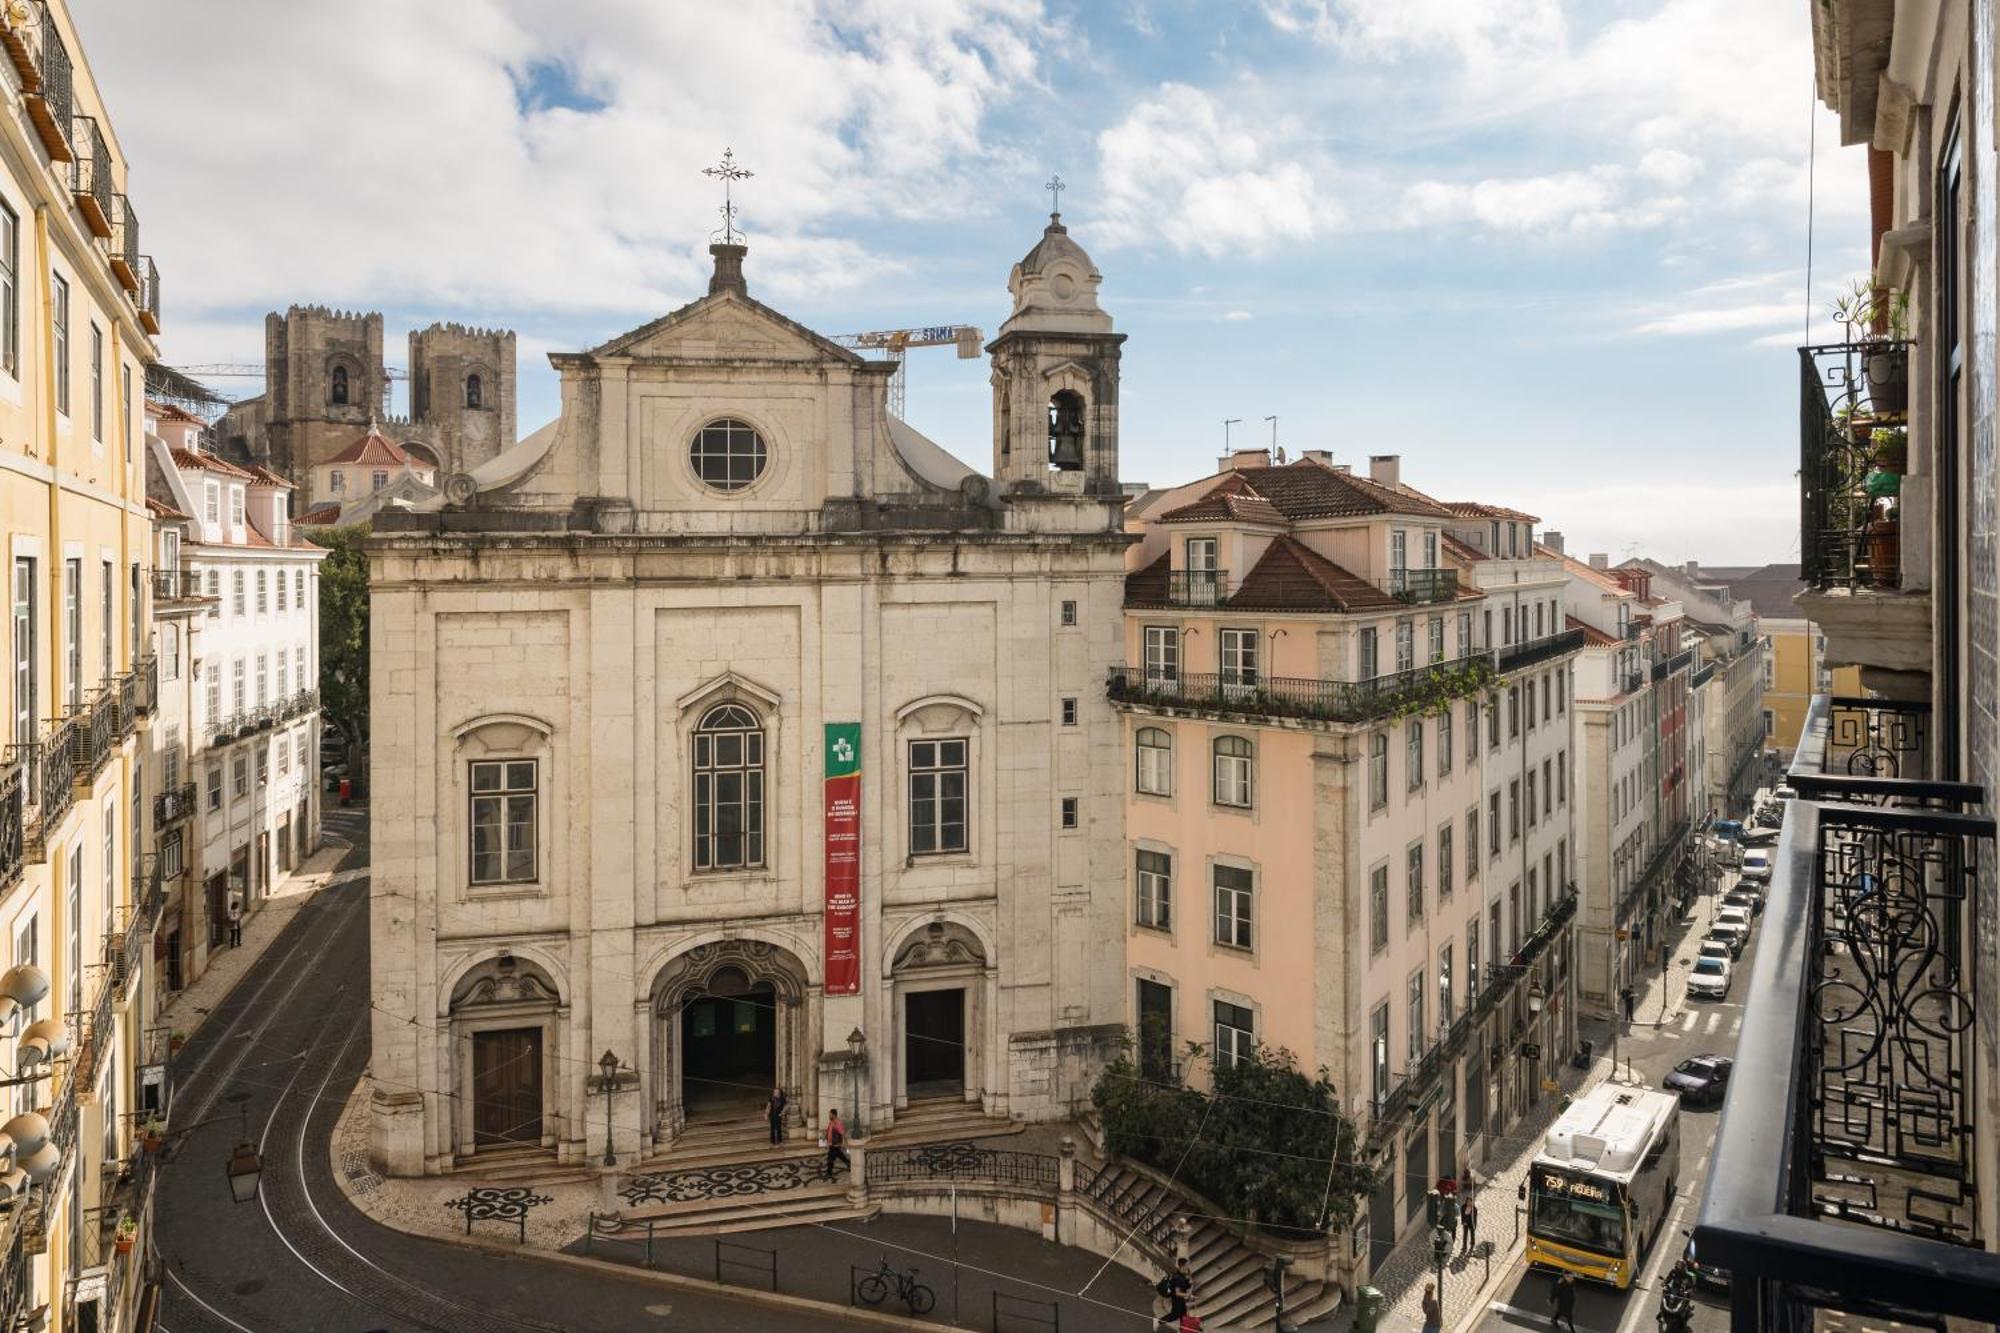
x: 874, y: 1289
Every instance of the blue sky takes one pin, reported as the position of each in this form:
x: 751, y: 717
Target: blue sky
x: 1553, y: 254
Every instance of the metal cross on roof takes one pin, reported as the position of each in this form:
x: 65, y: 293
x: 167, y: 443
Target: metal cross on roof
x: 1055, y: 187
x: 728, y: 173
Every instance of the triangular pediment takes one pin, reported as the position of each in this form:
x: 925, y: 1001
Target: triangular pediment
x: 725, y: 326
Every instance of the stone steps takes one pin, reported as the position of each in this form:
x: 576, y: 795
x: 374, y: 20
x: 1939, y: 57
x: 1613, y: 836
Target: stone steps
x: 940, y: 1120
x: 734, y: 1213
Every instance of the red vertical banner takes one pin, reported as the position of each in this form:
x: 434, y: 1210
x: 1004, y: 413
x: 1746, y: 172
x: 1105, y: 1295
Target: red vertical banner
x: 843, y: 858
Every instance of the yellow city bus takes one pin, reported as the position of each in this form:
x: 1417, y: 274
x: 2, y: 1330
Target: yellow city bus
x: 1600, y: 1187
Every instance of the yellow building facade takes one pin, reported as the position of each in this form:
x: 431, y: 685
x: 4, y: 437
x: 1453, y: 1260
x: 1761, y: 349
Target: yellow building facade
x: 1794, y: 671
x: 79, y: 305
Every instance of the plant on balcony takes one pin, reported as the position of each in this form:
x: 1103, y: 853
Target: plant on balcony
x: 1889, y: 448
x: 1885, y: 541
x: 1878, y: 319
x: 128, y: 1233
x: 1260, y: 1144
x: 1440, y: 687
x: 153, y: 1135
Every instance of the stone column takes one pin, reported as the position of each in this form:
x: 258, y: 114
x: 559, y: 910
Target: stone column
x: 1066, y: 1192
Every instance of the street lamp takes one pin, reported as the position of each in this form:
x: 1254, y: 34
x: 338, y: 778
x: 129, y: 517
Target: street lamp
x: 857, y: 1044
x: 611, y: 1077
x: 245, y: 1169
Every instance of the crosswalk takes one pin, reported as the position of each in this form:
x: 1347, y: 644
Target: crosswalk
x: 1709, y: 1021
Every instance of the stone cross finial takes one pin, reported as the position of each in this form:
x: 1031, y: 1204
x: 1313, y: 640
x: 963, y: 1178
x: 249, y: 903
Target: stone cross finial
x: 728, y: 173
x: 1055, y: 187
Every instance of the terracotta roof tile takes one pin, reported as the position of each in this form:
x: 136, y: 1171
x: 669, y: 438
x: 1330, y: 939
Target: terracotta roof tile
x: 375, y: 447
x: 264, y: 476
x: 1148, y: 586
x: 1474, y: 509
x: 160, y: 510
x: 1234, y: 500
x: 319, y: 515
x: 1592, y: 635
x: 188, y: 458
x: 1291, y: 576
x: 1310, y: 489
x: 1458, y: 550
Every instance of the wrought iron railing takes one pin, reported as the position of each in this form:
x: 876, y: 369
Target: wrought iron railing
x: 50, y: 101
x: 125, y: 244
x: 1849, y: 526
x: 48, y: 768
x: 1634, y: 681
x: 176, y: 585
x: 90, y: 175
x: 1872, y: 752
x: 1702, y: 676
x: 1421, y: 586
x: 1518, y: 655
x: 1198, y: 587
x: 961, y: 1161
x: 173, y: 805
x: 147, y: 674
x: 96, y: 731
x: 1424, y: 688
x: 1667, y: 666
x: 1844, y: 1172
x: 149, y: 294
x: 127, y: 719
x: 13, y: 821
x: 1148, y: 1215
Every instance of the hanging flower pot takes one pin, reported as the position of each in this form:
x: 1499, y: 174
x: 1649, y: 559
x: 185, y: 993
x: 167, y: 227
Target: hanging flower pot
x: 1885, y: 552
x: 1888, y: 371
x: 1889, y: 447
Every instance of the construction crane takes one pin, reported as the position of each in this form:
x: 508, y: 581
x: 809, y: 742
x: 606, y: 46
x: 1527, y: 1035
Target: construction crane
x: 254, y: 370
x: 894, y: 342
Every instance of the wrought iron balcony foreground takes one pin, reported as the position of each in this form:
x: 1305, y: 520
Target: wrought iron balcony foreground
x: 1420, y: 689
x: 1515, y: 656
x: 1872, y: 752
x: 1844, y: 1172
x: 1853, y: 451
x: 1198, y: 587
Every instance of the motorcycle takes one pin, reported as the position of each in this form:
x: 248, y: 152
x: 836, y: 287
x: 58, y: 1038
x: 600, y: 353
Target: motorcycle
x: 1677, y: 1298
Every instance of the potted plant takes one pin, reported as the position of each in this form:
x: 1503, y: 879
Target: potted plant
x: 1889, y: 448
x: 1879, y: 320
x: 1885, y: 544
x: 128, y: 1234
x: 176, y: 1040
x: 153, y: 1134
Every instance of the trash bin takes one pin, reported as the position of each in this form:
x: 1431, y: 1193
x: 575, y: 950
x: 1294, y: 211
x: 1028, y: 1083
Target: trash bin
x: 1368, y: 1304
x: 346, y: 790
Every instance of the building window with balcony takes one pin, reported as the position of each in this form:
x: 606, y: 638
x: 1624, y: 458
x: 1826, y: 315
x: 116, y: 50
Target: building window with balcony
x: 1472, y: 728
x: 1445, y: 885
x: 1472, y: 958
x: 1406, y: 645
x: 1378, y: 1054
x: 1370, y: 664
x: 59, y: 311
x: 938, y: 786
x: 1378, y: 909
x: 1155, y: 762
x: 1472, y: 844
x: 1444, y: 986
x: 214, y: 787
x: 1444, y: 741
x: 1156, y: 889
x: 1234, y: 1037
x: 1163, y: 653
x: 1430, y: 549
x: 1239, y: 657
x: 263, y: 680
x: 1493, y: 824
x: 1506, y: 626
x: 1234, y: 762
x: 504, y: 794
x: 729, y: 790
x: 25, y: 692
x: 1514, y: 810
x: 1531, y: 798
x: 1378, y: 770
x: 239, y: 775
x: 1419, y: 1035
x: 1413, y: 883
x: 1399, y: 557
x: 1232, y: 906
x: 1437, y: 638
x: 1413, y: 752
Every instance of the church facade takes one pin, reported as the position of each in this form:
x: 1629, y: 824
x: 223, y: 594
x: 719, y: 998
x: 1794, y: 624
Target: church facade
x: 729, y: 728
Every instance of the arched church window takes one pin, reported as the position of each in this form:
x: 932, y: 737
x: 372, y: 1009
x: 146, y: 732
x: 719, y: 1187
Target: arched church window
x: 727, y: 455
x: 472, y: 392
x: 1066, y: 431
x: 728, y: 789
x: 338, y: 394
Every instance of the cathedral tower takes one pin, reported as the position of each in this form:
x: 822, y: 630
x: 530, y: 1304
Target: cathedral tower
x: 1055, y: 375
x: 323, y: 384
x: 462, y: 392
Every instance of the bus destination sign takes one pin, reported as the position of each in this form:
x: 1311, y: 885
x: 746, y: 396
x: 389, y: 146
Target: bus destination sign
x: 1575, y: 1187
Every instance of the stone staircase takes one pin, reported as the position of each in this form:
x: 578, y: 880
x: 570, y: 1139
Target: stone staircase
x: 940, y: 1120
x: 1228, y: 1275
x: 746, y: 1196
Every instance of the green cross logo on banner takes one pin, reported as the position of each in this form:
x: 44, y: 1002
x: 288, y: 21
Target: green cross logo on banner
x: 843, y: 749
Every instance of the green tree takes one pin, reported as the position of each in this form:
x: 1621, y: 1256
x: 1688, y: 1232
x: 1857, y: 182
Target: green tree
x: 343, y: 638
x: 1268, y: 1141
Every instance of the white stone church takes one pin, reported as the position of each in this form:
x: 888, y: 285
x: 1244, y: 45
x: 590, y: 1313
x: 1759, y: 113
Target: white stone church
x: 618, y: 671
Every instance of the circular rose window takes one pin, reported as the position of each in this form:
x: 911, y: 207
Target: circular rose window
x: 727, y: 455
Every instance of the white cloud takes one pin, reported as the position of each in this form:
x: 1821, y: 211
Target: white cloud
x: 1183, y: 167
x: 1716, y: 523
x: 1237, y: 316
x: 1563, y: 202
x: 1478, y: 32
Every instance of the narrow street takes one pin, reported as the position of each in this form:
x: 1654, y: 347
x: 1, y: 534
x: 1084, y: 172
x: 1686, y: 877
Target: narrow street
x: 1652, y: 1045
x: 277, y: 1059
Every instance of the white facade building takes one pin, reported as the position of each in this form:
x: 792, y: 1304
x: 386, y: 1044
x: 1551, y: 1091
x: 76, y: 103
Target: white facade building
x: 251, y: 657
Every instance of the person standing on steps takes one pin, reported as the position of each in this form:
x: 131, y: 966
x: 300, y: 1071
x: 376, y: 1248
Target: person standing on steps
x: 1178, y: 1288
x: 834, y: 1140
x: 775, y: 1113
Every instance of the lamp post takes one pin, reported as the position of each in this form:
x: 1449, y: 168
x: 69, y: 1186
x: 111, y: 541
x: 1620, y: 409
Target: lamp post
x: 612, y: 1077
x: 857, y: 1045
x: 245, y: 1166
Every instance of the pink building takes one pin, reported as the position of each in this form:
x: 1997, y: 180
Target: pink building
x: 1347, y: 711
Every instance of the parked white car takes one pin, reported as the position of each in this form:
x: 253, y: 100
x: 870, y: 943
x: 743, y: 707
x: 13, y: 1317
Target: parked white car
x: 1757, y: 865
x: 1714, y: 948
x: 1734, y: 916
x: 1709, y: 978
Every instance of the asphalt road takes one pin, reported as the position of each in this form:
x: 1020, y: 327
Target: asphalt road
x: 1697, y: 1027
x: 276, y: 1061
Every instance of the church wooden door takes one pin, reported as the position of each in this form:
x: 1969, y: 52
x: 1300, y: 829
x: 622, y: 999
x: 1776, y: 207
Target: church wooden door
x: 507, y: 1087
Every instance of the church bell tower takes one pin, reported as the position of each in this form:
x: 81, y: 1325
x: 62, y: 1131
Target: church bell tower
x: 1055, y: 376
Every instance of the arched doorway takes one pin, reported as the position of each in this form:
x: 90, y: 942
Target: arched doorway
x: 729, y: 1023
x: 504, y: 1031
x: 939, y: 975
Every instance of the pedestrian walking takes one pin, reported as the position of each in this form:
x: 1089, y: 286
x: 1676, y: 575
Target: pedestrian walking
x: 834, y: 1140
x: 1433, y: 1312
x: 1631, y: 999
x: 1178, y: 1288
x: 1562, y: 1301
x: 775, y: 1112
x: 1468, y: 1224
x: 235, y: 920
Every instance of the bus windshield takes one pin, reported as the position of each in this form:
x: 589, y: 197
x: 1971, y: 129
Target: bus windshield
x: 1572, y: 1210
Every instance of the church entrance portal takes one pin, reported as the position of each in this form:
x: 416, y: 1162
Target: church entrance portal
x: 729, y: 1045
x: 934, y: 1042
x: 507, y: 1088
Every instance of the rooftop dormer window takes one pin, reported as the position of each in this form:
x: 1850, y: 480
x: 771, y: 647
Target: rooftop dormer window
x: 235, y: 506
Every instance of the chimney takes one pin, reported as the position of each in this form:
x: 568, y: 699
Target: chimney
x: 1599, y: 560
x: 1322, y: 456
x: 1237, y: 459
x: 728, y: 269
x: 1693, y: 570
x: 1385, y: 469
x: 1553, y: 540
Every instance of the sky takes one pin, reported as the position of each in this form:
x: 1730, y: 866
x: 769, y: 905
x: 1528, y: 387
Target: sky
x: 1553, y: 254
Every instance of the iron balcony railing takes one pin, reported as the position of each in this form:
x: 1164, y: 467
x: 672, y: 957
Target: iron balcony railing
x: 48, y: 769
x: 125, y: 244
x: 176, y: 585
x: 49, y: 102
x: 147, y: 674
x: 13, y: 822
x: 961, y: 1161
x: 1844, y: 1178
x: 90, y: 176
x: 96, y: 732
x: 1668, y: 666
x: 1427, y: 688
x: 173, y: 805
x: 149, y: 295
x: 1634, y: 631
x: 1516, y: 656
x: 1198, y: 587
x: 1657, y: 865
x: 1849, y: 480
x: 1871, y: 752
x: 1421, y: 586
x: 1702, y: 676
x: 1634, y: 681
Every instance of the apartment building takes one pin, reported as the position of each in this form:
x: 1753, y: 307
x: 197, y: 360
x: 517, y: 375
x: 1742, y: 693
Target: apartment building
x: 244, y: 585
x: 1346, y: 711
x: 179, y: 610
x: 354, y: 484
x: 78, y: 899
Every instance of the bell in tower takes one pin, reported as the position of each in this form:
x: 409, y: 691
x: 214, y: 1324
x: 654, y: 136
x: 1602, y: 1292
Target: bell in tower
x: 1055, y: 375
